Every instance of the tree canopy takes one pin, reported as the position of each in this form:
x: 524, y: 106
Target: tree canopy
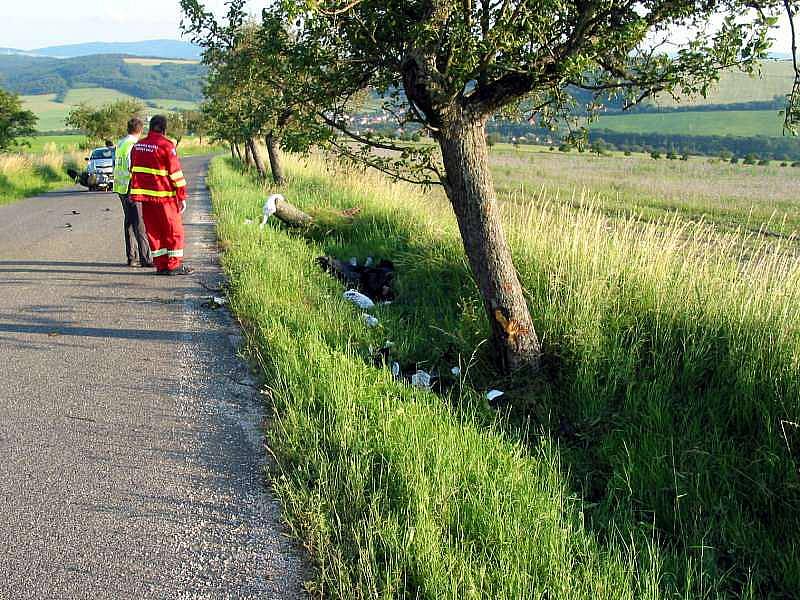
x: 107, y: 122
x: 15, y: 121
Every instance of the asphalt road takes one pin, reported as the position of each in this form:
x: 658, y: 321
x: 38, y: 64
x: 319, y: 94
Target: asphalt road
x: 131, y: 445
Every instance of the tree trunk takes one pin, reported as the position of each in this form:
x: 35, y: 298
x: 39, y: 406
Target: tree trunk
x: 471, y: 192
x: 274, y: 151
x: 248, y: 158
x: 233, y: 150
x: 291, y: 215
x: 238, y: 151
x: 257, y: 159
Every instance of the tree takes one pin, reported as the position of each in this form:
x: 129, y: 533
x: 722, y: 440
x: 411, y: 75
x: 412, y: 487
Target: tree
x: 107, y: 122
x: 451, y: 66
x: 15, y: 122
x: 176, y: 126
x: 252, y: 76
x: 196, y: 123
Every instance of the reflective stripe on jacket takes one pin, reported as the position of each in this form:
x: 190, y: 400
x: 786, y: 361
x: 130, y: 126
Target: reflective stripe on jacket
x: 156, y: 174
x: 122, y: 164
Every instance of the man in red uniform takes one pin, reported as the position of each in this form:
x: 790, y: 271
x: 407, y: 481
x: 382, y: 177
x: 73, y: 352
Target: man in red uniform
x: 158, y: 183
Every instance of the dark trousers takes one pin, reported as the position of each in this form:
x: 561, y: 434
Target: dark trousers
x: 135, y: 233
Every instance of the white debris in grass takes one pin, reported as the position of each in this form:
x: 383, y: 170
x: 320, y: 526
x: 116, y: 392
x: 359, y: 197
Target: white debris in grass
x: 359, y: 299
x: 493, y: 395
x: 421, y: 380
x: 270, y: 206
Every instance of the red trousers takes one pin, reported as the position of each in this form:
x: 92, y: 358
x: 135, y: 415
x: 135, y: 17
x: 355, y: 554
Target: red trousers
x: 164, y: 232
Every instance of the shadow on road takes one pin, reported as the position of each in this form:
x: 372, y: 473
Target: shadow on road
x: 99, y: 332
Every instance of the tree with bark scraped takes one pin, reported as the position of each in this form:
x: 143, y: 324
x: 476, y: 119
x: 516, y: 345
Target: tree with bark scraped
x: 448, y: 67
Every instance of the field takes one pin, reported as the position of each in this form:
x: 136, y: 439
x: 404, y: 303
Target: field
x: 655, y: 457
x: 734, y: 86
x: 52, y: 114
x: 730, y: 197
x: 744, y: 123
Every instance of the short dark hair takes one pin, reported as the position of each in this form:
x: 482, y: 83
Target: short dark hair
x: 135, y: 125
x: 158, y: 124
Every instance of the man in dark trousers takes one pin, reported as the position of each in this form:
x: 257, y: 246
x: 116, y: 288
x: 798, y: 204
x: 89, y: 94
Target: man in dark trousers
x: 157, y: 183
x: 135, y: 234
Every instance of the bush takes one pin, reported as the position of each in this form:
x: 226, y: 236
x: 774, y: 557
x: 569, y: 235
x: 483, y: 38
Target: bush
x: 764, y: 162
x: 784, y: 164
x: 796, y: 163
x: 734, y: 160
x: 655, y: 154
x: 565, y: 148
x: 750, y: 159
x: 628, y: 152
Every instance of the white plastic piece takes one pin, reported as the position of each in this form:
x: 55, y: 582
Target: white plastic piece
x: 493, y: 395
x: 370, y: 320
x: 270, y: 206
x: 456, y: 371
x: 396, y: 370
x: 363, y: 302
x: 368, y: 262
x: 219, y: 300
x: 421, y: 380
x: 354, y: 262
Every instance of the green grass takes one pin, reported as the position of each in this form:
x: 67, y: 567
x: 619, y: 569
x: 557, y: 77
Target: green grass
x: 22, y: 176
x: 656, y: 457
x: 742, y: 123
x: 62, y: 143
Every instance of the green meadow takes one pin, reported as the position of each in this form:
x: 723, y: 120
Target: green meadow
x: 656, y: 455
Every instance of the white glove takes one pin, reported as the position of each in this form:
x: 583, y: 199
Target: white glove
x: 183, y: 206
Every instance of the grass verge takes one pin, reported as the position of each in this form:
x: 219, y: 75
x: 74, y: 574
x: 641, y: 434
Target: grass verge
x: 657, y: 457
x: 23, y: 175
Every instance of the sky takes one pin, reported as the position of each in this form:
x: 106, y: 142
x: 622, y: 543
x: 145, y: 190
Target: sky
x: 39, y: 23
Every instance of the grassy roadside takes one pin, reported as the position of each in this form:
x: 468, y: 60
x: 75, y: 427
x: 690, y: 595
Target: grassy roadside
x: 24, y: 175
x: 657, y: 458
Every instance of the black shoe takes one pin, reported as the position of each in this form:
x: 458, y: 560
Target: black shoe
x: 182, y: 270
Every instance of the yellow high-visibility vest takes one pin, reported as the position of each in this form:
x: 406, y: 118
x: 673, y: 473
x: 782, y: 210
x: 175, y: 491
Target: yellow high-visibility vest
x: 122, y: 164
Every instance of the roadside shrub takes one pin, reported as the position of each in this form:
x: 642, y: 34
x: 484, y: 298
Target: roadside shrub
x: 655, y: 154
x: 734, y: 160
x: 750, y: 159
x: 764, y: 162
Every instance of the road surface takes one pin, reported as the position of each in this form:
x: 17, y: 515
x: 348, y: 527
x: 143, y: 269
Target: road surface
x: 131, y: 446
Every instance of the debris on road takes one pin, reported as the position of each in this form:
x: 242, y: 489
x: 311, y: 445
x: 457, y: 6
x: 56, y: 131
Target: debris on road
x: 214, y: 302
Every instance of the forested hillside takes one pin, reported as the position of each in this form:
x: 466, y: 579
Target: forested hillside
x: 29, y: 75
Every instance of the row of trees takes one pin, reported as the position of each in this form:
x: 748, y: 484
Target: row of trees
x: 447, y: 67
x: 109, y: 122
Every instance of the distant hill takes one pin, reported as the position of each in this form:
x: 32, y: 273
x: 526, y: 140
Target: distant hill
x: 34, y: 75
x: 149, y: 48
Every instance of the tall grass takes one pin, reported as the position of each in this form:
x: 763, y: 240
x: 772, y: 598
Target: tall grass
x: 23, y: 175
x: 656, y: 457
